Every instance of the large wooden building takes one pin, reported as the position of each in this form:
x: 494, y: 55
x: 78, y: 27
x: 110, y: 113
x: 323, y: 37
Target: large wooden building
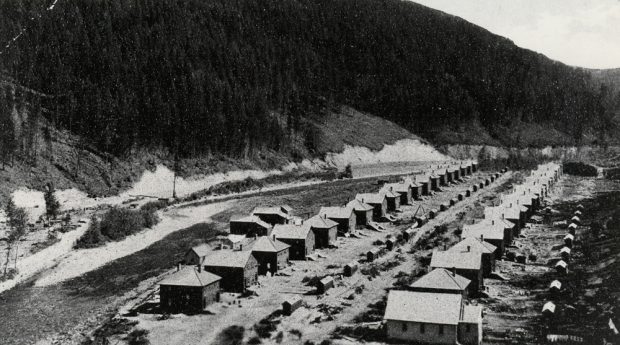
x: 190, y: 289
x: 432, y: 318
x: 196, y: 255
x: 238, y: 269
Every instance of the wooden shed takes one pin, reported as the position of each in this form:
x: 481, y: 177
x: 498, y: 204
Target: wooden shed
x: 568, y: 240
x: 555, y: 286
x: 325, y: 284
x: 453, y: 202
x: 443, y: 207
x: 432, y: 214
x: 474, y: 188
x: 350, y: 269
x: 460, y: 197
x: 408, y: 234
x: 373, y: 254
x: 189, y: 290
x: 291, y: 304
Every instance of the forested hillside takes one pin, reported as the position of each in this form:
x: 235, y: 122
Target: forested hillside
x: 237, y: 76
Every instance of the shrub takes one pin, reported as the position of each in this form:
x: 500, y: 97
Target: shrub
x: 254, y: 341
x: 115, y: 225
x: 138, y: 337
x: 232, y: 335
x: 579, y: 169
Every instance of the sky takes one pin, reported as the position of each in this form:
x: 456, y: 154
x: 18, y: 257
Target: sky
x: 584, y: 33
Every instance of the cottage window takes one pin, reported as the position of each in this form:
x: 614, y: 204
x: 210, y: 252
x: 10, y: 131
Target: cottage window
x: 440, y: 329
x: 404, y: 327
x: 422, y: 328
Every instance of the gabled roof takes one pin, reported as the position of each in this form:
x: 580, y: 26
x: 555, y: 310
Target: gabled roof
x: 426, y: 307
x: 357, y: 205
x: 441, y: 278
x: 202, y: 250
x: 189, y: 276
x: 336, y: 212
x: 252, y: 219
x: 228, y: 258
x: 319, y: 222
x: 236, y: 238
x: 266, y: 244
x: 291, y: 231
x: 371, y: 198
x: 474, y: 244
x: 459, y: 260
x: 486, y: 229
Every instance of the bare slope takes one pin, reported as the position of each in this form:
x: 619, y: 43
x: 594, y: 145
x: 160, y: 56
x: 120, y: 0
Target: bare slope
x: 68, y: 162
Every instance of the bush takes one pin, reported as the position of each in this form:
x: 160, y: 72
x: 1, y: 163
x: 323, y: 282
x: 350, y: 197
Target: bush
x: 579, y: 169
x: 232, y: 335
x: 116, y: 224
x: 138, y: 337
x: 254, y: 341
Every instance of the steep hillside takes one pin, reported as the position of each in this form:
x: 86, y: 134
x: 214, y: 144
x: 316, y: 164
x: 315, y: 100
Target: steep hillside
x: 235, y: 77
x: 47, y: 154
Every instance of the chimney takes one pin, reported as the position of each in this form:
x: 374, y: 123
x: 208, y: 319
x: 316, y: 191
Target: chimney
x: 324, y: 217
x: 178, y: 267
x: 454, y: 271
x: 493, y: 222
x: 241, y: 247
x: 502, y: 216
x: 274, y: 237
x: 468, y: 248
x: 199, y: 268
x: 481, y: 237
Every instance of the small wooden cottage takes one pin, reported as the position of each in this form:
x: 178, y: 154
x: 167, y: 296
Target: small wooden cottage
x: 238, y: 269
x: 196, y: 255
x: 350, y: 268
x: 325, y: 230
x: 466, y: 264
x: 344, y: 216
x: 273, y: 215
x: 190, y: 289
x: 300, y: 238
x: 271, y: 254
x: 250, y: 226
x: 363, y: 212
x: 378, y: 202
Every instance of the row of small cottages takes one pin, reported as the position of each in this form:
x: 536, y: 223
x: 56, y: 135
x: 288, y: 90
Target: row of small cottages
x: 434, y: 309
x: 276, y: 236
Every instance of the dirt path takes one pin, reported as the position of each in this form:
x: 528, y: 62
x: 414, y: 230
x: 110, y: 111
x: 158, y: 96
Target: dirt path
x: 183, y: 329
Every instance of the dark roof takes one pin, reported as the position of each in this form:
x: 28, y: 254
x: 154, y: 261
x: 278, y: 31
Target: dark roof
x: 252, y: 219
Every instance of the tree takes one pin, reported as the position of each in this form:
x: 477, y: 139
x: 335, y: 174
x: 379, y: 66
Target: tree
x: 52, y: 206
x: 18, y: 221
